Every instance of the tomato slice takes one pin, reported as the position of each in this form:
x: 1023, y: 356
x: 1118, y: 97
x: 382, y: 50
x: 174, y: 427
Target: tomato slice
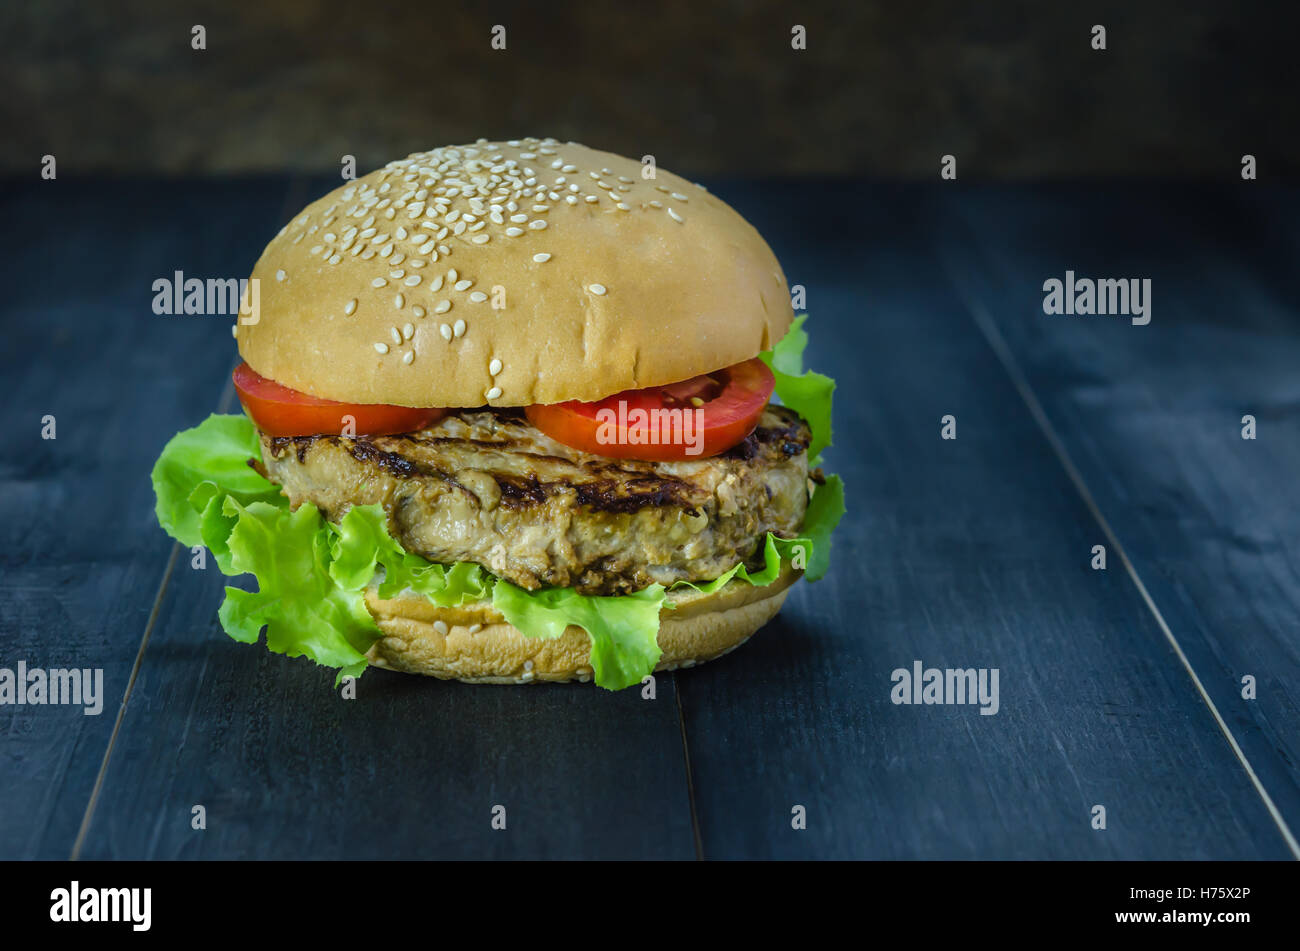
x: 714, y: 411
x: 281, y: 411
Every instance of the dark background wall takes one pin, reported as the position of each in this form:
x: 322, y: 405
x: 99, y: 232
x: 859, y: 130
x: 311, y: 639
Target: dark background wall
x: 1013, y: 89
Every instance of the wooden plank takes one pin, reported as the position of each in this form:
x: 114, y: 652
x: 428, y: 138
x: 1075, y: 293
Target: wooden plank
x: 1152, y: 415
x: 82, y: 558
x: 412, y: 768
x: 965, y: 553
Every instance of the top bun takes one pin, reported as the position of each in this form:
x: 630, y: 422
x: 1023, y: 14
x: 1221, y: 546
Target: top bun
x: 511, y: 273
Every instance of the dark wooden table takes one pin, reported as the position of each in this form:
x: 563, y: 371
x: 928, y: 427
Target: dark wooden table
x: 1120, y: 687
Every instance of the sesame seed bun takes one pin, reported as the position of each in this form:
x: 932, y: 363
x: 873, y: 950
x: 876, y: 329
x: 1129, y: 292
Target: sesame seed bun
x: 597, y: 280
x: 473, y: 643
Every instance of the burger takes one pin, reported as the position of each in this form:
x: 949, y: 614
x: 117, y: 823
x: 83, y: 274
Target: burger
x: 513, y: 411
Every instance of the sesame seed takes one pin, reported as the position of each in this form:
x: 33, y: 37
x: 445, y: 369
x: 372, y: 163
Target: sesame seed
x: 597, y: 289
x: 408, y: 331
x: 436, y: 284
x: 397, y: 274
x: 381, y: 348
x: 399, y: 301
x: 334, y: 259
x: 680, y: 197
x: 542, y: 257
x: 379, y: 282
x: 494, y: 367
x: 413, y: 280
x: 408, y: 356
x: 396, y: 335
x: 234, y: 330
x: 675, y: 216
x: 537, y: 224
x: 464, y: 285
x: 350, y: 307
x: 494, y: 393
x: 458, y: 329
x: 622, y: 207
x: 475, y: 628
x: 514, y: 232
x: 440, y: 627
x: 478, y: 297
x: 452, y: 275
x: 280, y: 275
x: 418, y: 311
x: 445, y: 330
x: 656, y: 204
x: 481, y: 238
x: 442, y: 307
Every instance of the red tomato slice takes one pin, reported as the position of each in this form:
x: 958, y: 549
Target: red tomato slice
x: 281, y: 411
x: 715, y: 411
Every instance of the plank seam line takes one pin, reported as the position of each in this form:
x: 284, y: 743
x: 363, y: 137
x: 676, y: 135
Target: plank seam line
x: 223, y: 404
x: 293, y: 189
x: 690, y: 779
x: 121, y: 710
x: 986, y: 326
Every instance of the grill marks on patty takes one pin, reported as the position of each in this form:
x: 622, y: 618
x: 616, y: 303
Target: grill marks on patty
x: 604, y: 486
x: 486, y: 486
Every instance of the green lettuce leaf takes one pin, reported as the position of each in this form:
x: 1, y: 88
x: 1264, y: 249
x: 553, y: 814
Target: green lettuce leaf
x: 807, y: 393
x: 311, y: 573
x: 216, y: 453
x: 361, y: 544
x: 624, y: 629
x: 304, y: 611
x: 824, y: 511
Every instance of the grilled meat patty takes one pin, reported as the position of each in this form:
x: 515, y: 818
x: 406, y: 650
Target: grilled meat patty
x: 486, y: 486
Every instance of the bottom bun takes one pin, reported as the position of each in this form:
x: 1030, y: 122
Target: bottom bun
x: 473, y: 643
